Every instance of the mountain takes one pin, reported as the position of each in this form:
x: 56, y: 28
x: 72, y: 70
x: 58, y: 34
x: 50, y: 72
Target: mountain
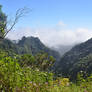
x: 62, y: 49
x: 79, y: 58
x: 33, y: 45
x: 28, y: 45
x: 8, y: 45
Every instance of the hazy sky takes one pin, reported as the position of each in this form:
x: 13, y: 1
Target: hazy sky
x: 55, y: 22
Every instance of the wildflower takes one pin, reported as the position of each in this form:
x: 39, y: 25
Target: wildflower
x: 34, y: 84
x: 30, y: 82
x: 46, y: 83
x: 39, y: 84
x: 85, y: 91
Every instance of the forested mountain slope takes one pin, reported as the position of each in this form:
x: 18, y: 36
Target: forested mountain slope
x: 79, y: 58
x: 28, y: 45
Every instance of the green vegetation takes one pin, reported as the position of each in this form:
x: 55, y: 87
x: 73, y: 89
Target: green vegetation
x: 79, y: 58
x: 3, y: 20
x: 27, y: 66
x: 28, y: 45
x: 33, y: 75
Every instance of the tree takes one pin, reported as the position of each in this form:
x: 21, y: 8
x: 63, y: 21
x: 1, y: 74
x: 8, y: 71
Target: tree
x: 40, y: 61
x: 43, y: 61
x: 3, y: 21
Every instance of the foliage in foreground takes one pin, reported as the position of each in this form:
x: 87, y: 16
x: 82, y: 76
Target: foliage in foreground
x: 29, y: 77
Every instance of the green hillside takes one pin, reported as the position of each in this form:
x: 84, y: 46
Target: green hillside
x: 79, y: 58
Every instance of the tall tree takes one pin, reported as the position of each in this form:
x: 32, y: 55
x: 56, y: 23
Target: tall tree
x: 3, y: 20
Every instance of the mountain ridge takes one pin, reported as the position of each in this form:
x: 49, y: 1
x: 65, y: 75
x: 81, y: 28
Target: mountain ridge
x: 73, y: 61
x: 28, y: 45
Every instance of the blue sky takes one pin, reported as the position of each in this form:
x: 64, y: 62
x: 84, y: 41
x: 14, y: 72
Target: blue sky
x: 47, y: 13
x: 72, y: 15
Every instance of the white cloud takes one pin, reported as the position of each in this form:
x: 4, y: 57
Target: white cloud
x: 20, y: 32
x: 64, y: 37
x: 61, y: 23
x: 53, y: 37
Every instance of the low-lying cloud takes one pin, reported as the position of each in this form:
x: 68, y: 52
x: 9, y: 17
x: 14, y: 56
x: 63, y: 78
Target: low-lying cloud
x: 53, y: 36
